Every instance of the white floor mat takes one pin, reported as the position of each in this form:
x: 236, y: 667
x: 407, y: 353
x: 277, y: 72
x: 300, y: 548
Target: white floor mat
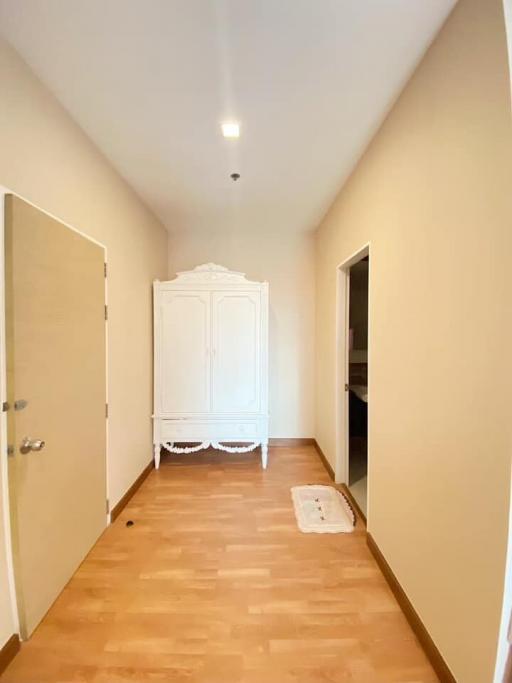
x: 322, y: 510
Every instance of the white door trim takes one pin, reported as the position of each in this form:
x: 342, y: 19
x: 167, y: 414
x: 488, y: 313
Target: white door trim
x: 342, y: 375
x: 5, y: 508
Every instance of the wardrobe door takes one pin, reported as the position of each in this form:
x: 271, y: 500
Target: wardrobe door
x: 236, y: 351
x: 184, y: 352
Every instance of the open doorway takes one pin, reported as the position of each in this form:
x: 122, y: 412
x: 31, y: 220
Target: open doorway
x: 358, y: 381
x: 352, y: 396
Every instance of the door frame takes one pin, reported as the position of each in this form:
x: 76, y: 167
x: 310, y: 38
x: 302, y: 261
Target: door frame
x: 342, y: 362
x: 6, y: 507
x: 504, y: 650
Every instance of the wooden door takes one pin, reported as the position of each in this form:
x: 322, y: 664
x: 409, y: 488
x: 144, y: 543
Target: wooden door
x: 55, y: 329
x: 184, y: 351
x: 236, y: 351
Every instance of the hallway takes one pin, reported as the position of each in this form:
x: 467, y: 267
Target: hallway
x: 213, y: 583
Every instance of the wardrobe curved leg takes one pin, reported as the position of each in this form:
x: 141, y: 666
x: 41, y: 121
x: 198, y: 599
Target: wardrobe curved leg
x: 264, y: 455
x: 156, y: 451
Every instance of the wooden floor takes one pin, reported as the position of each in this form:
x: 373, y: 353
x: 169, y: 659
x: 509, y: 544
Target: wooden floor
x: 213, y: 583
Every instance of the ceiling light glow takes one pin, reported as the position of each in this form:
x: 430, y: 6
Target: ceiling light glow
x: 231, y: 129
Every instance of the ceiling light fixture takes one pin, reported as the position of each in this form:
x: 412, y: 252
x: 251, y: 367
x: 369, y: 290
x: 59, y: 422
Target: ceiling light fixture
x: 231, y: 129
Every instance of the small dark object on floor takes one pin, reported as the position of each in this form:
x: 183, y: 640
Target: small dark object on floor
x: 130, y: 523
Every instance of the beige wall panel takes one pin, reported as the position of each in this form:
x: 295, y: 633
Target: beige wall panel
x: 47, y: 159
x: 286, y: 261
x: 432, y: 195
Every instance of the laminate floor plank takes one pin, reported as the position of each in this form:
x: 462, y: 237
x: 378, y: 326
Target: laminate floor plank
x: 214, y: 583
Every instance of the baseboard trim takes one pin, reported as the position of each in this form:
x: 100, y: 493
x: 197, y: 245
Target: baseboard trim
x: 118, y: 508
x: 9, y: 652
x: 345, y: 488
x: 324, y: 460
x: 434, y: 656
x: 353, y: 502
x: 291, y: 442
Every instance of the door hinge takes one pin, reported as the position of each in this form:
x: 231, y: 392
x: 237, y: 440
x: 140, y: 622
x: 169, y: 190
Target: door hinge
x: 106, y: 312
x: 108, y: 505
x: 346, y: 387
x: 106, y: 409
x: 5, y: 406
x: 105, y: 269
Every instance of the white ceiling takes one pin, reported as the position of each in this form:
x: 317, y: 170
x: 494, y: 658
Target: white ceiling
x: 150, y: 81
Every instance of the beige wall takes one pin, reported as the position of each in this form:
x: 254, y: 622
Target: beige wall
x: 47, y: 159
x: 286, y: 261
x: 432, y: 195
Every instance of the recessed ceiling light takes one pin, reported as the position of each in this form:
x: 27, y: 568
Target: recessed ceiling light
x: 231, y: 129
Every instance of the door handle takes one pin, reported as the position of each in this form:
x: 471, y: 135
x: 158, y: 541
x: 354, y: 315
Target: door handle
x: 28, y: 445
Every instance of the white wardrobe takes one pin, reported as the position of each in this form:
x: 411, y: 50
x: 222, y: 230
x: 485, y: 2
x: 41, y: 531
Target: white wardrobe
x: 211, y: 363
